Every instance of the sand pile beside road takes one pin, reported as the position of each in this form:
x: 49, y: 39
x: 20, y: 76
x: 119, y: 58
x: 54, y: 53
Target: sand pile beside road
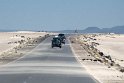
x: 92, y: 50
x: 12, y: 44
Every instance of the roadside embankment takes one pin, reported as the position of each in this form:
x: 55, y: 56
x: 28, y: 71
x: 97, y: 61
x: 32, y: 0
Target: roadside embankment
x: 100, y: 65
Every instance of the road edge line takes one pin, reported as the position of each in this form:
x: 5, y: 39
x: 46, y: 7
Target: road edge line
x: 78, y: 60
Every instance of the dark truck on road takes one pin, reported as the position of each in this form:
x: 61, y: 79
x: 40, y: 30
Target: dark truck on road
x: 56, y: 42
x: 62, y: 38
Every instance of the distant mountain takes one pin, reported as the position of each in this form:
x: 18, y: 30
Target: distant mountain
x: 116, y: 29
x: 92, y: 30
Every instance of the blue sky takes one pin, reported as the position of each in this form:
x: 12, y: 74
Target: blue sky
x: 60, y: 14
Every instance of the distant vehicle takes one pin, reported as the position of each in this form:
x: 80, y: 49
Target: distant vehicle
x: 62, y: 38
x: 56, y: 42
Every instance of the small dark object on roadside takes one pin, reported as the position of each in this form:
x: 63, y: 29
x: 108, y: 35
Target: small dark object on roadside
x: 95, y: 60
x: 109, y: 57
x: 99, y: 60
x: 83, y: 59
x: 112, y: 64
x: 122, y: 60
x: 122, y: 70
x: 88, y: 55
x: 109, y: 67
x: 91, y: 59
x: 22, y: 36
x: 101, y: 53
x: 72, y: 42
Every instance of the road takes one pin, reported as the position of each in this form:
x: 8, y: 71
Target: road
x: 46, y: 65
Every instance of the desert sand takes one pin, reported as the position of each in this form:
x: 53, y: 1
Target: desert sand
x: 106, y: 70
x: 112, y: 45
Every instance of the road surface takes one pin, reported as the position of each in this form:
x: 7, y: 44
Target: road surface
x: 46, y: 65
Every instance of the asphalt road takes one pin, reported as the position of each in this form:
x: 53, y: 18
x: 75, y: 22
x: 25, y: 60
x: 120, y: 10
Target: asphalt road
x: 46, y: 65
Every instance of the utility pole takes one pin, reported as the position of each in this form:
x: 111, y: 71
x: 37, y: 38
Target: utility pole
x: 76, y: 31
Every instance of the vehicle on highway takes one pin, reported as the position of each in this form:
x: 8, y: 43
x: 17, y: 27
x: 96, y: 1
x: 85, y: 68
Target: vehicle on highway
x: 56, y: 42
x: 62, y: 37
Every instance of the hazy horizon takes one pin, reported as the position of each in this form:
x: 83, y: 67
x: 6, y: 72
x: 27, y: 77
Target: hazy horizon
x: 51, y: 15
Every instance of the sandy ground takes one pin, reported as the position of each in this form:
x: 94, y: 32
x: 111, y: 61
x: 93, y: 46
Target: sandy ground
x: 14, y: 44
x: 112, y: 45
